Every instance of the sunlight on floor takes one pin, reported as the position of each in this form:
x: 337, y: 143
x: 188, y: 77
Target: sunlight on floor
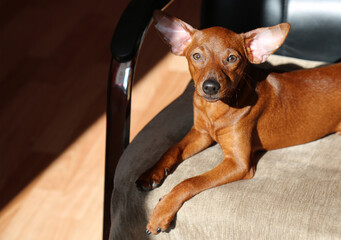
x: 166, y: 81
x: 53, y: 203
x: 66, y: 200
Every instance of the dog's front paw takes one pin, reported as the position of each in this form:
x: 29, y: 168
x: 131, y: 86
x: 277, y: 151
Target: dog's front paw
x: 163, y: 215
x: 151, y: 179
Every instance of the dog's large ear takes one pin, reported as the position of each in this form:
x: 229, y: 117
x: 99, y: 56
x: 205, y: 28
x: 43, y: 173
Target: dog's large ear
x: 262, y: 42
x: 175, y: 32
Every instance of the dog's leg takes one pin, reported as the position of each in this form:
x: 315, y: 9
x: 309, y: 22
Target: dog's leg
x: 191, y: 144
x: 235, y: 166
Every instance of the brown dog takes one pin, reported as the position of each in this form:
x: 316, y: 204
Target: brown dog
x: 241, y: 107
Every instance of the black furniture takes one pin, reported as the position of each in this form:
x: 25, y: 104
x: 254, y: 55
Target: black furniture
x: 124, y: 48
x: 315, y: 35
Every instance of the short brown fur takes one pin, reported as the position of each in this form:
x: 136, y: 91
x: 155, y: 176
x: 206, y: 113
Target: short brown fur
x: 253, y: 110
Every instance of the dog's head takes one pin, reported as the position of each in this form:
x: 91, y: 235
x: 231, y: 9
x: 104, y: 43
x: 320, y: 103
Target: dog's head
x: 216, y: 56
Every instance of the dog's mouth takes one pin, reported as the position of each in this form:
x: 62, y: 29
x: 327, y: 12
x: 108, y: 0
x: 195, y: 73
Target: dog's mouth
x: 211, y: 98
x: 226, y: 94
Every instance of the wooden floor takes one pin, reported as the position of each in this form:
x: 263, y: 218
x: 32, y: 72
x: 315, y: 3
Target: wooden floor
x: 54, y: 60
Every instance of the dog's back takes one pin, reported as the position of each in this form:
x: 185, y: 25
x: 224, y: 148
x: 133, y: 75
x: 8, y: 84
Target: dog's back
x: 304, y: 105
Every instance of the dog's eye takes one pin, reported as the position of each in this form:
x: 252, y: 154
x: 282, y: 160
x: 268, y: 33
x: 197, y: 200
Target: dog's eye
x: 196, y: 56
x: 232, y: 58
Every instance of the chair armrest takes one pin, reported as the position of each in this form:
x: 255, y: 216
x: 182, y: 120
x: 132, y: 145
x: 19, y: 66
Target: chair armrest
x: 131, y: 26
x: 125, y: 44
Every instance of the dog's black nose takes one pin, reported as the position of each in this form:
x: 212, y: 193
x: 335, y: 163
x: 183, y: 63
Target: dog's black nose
x: 210, y: 87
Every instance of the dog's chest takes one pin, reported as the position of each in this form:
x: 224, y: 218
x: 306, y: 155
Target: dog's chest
x: 219, y: 118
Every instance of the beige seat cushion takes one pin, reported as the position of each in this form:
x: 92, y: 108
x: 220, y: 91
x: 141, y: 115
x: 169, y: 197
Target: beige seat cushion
x: 295, y: 194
